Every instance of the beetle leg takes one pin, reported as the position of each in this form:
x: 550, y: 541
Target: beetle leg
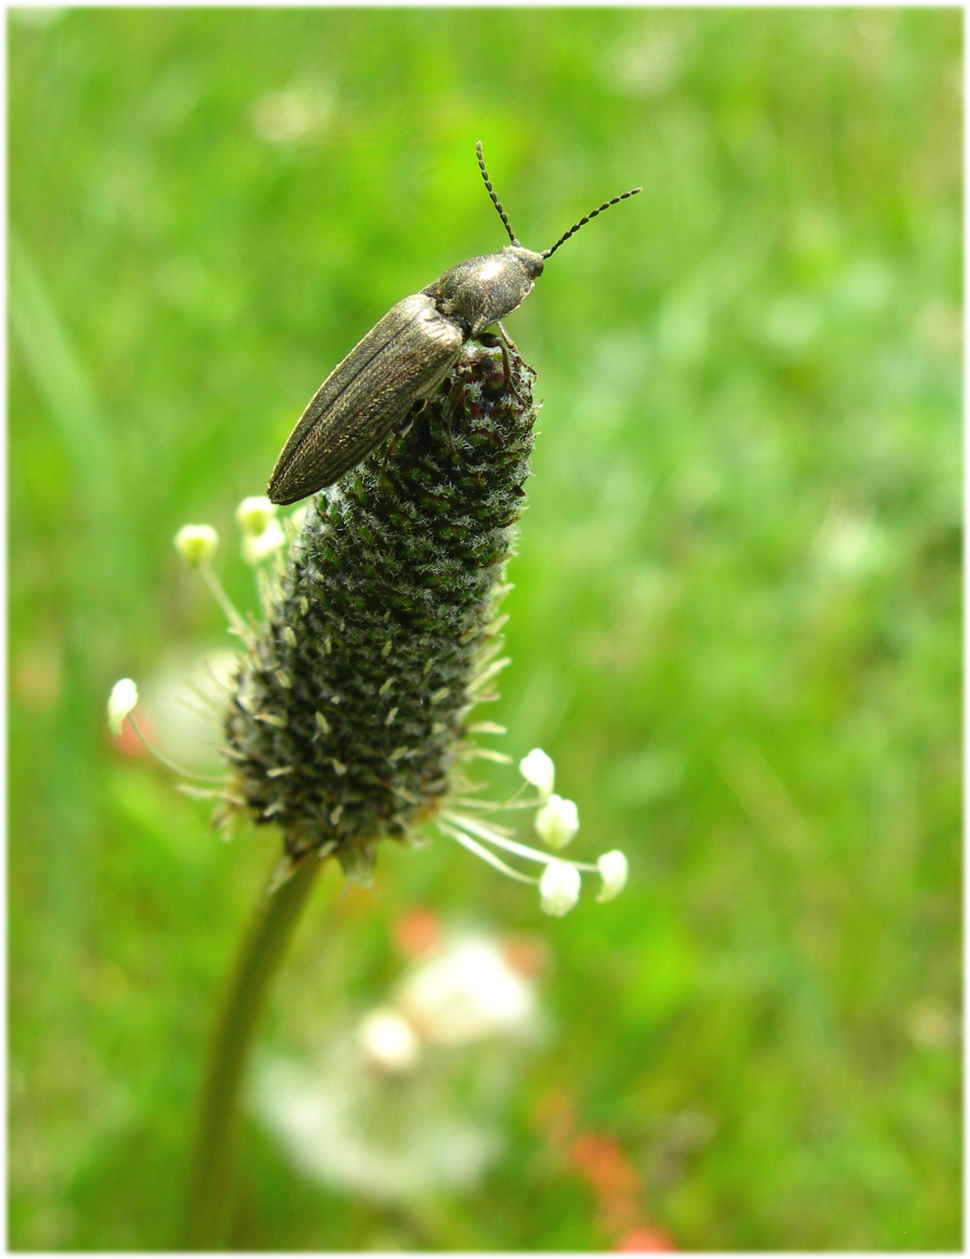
x: 401, y: 431
x: 505, y: 340
x: 452, y: 407
x: 490, y: 340
x: 388, y: 447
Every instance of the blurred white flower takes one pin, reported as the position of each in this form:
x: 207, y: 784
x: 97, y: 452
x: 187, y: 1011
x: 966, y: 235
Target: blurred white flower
x: 614, y: 868
x: 186, y: 698
x: 196, y: 543
x: 121, y: 701
x: 409, y: 1102
x: 254, y: 514
x: 559, y: 888
x: 389, y: 1042
x: 467, y: 991
x: 557, y: 822
x: 537, y: 768
x: 387, y: 1139
x: 258, y: 548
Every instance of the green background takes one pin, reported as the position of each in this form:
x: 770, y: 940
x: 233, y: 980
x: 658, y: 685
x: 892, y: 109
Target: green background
x: 735, y: 622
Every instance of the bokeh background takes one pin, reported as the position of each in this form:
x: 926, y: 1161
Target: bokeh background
x: 735, y: 622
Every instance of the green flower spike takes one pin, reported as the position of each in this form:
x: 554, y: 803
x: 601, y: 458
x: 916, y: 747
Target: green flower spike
x: 350, y: 716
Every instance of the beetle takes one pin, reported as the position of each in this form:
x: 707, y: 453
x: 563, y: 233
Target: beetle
x: 404, y: 357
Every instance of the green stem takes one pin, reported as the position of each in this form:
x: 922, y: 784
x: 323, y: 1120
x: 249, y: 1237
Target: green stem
x: 262, y: 951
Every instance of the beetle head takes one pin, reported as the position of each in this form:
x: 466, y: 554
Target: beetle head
x: 481, y: 290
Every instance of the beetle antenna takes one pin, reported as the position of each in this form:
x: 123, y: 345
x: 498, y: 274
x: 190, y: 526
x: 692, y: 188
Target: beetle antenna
x: 491, y: 192
x: 547, y: 253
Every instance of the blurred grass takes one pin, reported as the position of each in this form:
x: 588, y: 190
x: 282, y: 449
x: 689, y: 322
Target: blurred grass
x: 736, y: 619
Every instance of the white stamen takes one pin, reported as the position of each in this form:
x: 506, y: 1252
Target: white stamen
x: 257, y: 547
x: 557, y: 822
x: 254, y: 514
x: 491, y: 836
x: 489, y: 857
x: 614, y: 868
x: 121, y: 701
x: 196, y: 543
x: 559, y: 888
x: 537, y: 768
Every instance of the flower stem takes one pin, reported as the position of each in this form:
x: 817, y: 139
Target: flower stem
x: 217, y: 591
x: 262, y: 950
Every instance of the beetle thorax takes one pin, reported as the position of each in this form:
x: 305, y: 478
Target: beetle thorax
x: 481, y: 290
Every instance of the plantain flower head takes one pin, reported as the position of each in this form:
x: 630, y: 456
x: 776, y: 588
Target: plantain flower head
x: 349, y: 714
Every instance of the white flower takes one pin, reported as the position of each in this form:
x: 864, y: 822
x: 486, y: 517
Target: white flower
x: 614, y: 868
x: 537, y: 768
x: 181, y: 695
x: 466, y: 992
x: 389, y: 1042
x: 123, y: 698
x: 557, y: 822
x: 559, y: 888
x: 256, y: 549
x: 386, y: 1139
x: 196, y: 543
x: 253, y: 515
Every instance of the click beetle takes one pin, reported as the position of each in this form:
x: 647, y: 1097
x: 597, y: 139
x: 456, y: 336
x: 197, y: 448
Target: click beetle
x: 404, y: 357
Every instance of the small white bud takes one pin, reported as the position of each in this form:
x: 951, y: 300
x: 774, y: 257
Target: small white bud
x: 256, y: 549
x: 253, y: 515
x: 537, y: 768
x: 559, y: 888
x: 389, y: 1042
x: 614, y: 868
x: 557, y: 822
x: 196, y: 543
x: 121, y: 701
